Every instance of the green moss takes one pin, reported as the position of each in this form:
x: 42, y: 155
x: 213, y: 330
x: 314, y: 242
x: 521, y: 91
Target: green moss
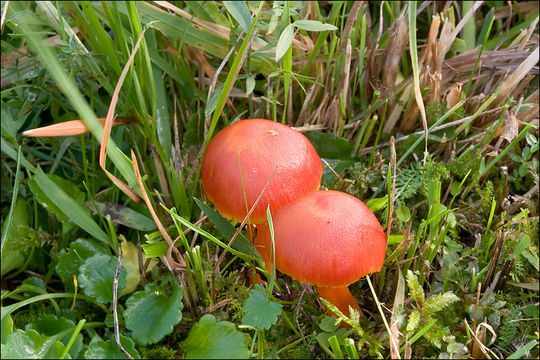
x: 157, y: 352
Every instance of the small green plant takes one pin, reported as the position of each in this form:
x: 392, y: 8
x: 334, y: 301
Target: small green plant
x: 526, y: 164
x: 425, y: 310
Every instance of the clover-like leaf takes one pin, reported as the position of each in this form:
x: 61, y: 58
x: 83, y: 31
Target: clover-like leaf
x: 209, y: 339
x: 285, y: 41
x: 70, y: 260
x: 313, y: 25
x: 260, y: 311
x: 50, y: 325
x: 108, y: 349
x: 97, y: 276
x: 31, y: 345
x: 152, y: 313
x: 328, y: 324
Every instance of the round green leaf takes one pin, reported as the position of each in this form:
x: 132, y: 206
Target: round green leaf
x: 260, y: 312
x: 50, y: 325
x: 152, y: 313
x: 403, y: 213
x: 31, y: 345
x: 70, y: 260
x: 209, y: 339
x: 108, y: 349
x: 97, y: 276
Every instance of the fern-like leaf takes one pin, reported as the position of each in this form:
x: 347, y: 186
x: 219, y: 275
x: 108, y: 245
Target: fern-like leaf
x: 436, y: 334
x: 438, y: 302
x: 414, y: 320
x: 415, y: 290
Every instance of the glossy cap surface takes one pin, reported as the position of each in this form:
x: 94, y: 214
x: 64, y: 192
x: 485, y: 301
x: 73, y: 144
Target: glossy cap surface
x: 245, y: 154
x: 327, y: 238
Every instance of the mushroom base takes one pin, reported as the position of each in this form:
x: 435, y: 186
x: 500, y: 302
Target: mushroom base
x: 340, y: 297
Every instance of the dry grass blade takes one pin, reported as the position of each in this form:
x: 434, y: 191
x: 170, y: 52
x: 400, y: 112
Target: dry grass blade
x: 220, y: 30
x: 397, y: 43
x: 416, y: 76
x: 399, y: 300
x: 172, y: 263
x: 524, y: 7
x: 397, y: 109
x: 4, y: 12
x: 351, y: 20
x: 393, y: 192
x: 346, y: 75
x: 428, y: 56
x: 108, y: 125
x: 466, y: 18
x: 529, y: 33
x: 478, y: 334
x: 520, y: 72
x: 217, y: 29
x: 72, y: 127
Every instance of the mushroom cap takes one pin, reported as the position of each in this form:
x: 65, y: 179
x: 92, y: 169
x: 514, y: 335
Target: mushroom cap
x: 245, y: 154
x: 327, y: 238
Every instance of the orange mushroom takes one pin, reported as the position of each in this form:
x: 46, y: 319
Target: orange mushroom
x: 243, y: 157
x: 329, y: 239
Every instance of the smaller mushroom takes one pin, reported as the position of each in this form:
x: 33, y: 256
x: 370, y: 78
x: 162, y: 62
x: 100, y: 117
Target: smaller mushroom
x: 329, y: 239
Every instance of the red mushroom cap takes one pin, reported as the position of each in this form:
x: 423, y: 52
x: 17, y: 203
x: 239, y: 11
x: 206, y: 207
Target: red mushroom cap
x: 327, y: 238
x: 245, y: 154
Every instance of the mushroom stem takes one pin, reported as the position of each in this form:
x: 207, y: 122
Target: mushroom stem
x: 340, y: 297
x: 259, y: 246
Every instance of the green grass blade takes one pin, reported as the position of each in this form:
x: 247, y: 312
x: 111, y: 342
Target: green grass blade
x: 469, y: 30
x: 6, y: 310
x: 240, y: 12
x: 71, y: 209
x: 7, y: 225
x: 68, y: 87
x: 9, y: 151
x: 227, y: 230
x: 523, y: 350
x: 209, y: 236
x: 233, y: 71
x: 505, y: 151
x: 287, y: 67
x: 488, y: 25
x: 420, y: 333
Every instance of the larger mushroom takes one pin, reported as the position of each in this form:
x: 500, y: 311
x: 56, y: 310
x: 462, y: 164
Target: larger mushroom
x: 329, y: 239
x: 243, y: 157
